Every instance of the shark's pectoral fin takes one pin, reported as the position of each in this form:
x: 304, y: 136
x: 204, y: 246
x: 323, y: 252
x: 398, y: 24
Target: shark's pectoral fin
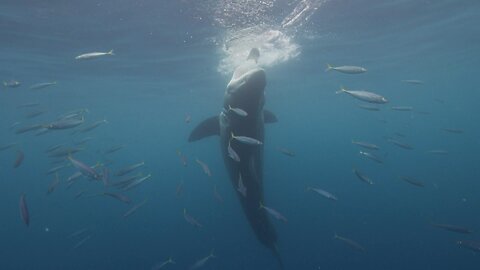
x: 269, y: 117
x: 208, y: 127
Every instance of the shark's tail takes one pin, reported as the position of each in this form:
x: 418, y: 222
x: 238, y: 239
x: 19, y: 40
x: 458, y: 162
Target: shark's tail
x: 111, y: 52
x: 277, y: 256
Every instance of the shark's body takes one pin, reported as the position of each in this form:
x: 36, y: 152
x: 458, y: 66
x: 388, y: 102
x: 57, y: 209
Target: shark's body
x: 245, y: 91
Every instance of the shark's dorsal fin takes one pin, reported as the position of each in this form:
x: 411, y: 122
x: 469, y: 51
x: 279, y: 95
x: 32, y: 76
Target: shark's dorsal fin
x: 208, y: 127
x: 269, y: 117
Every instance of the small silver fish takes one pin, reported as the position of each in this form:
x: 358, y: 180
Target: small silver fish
x: 202, y: 262
x: 371, y: 156
x: 246, y: 140
x: 205, y: 167
x: 402, y: 108
x: 191, y: 219
x: 413, y: 81
x: 162, y: 264
x: 39, y: 86
x: 134, y: 209
x: 11, y: 84
x: 346, y: 69
x: 241, y: 187
x: 363, y: 177
x: 350, y: 243
x: 364, y: 96
x: 238, y: 111
x: 232, y: 153
x: 274, y: 213
x: 93, y: 55
x: 24, y: 210
x: 366, y: 145
x: 324, y: 193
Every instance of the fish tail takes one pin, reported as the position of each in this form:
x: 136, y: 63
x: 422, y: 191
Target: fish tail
x: 212, y: 255
x: 329, y: 67
x: 111, y: 52
x: 261, y: 206
x: 342, y: 89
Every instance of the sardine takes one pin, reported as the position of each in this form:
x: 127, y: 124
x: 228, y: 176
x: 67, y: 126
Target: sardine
x: 286, y: 151
x: 400, y: 144
x: 369, y: 108
x: 24, y: 210
x: 241, y: 187
x: 202, y: 262
x: 11, y: 84
x: 77, y: 233
x: 363, y: 177
x: 19, y: 159
x: 134, y: 209
x: 277, y: 215
x: 191, y: 219
x: 136, y: 182
x: 217, y: 195
x: 65, y: 123
x: 471, y: 245
x: 64, y: 152
x: 205, y: 167
x: 53, y: 185
x: 347, y: 69
x: 114, y: 149
x: 413, y: 81
x: 162, y: 264
x: 246, y: 140
x: 93, y: 55
x: 7, y: 146
x: 34, y: 114
x: 402, y: 108
x: 121, y: 197
x: 366, y: 145
x: 412, y: 181
x: 183, y: 158
x: 129, y: 169
x: 84, y: 169
x: 372, y: 157
x: 364, y: 96
x: 232, y: 153
x: 453, y: 130
x: 93, y: 126
x: 438, y: 152
x: 350, y: 243
x: 452, y: 228
x: 238, y: 111
x: 81, y: 242
x: 324, y: 193
x: 39, y: 86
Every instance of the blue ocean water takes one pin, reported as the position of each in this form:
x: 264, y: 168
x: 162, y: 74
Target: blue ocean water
x: 173, y: 60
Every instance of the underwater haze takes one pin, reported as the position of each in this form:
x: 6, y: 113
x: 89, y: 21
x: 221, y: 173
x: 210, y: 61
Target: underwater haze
x: 371, y: 164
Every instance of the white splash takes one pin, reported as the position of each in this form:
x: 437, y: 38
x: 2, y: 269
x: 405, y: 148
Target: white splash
x: 275, y: 47
x: 273, y: 39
